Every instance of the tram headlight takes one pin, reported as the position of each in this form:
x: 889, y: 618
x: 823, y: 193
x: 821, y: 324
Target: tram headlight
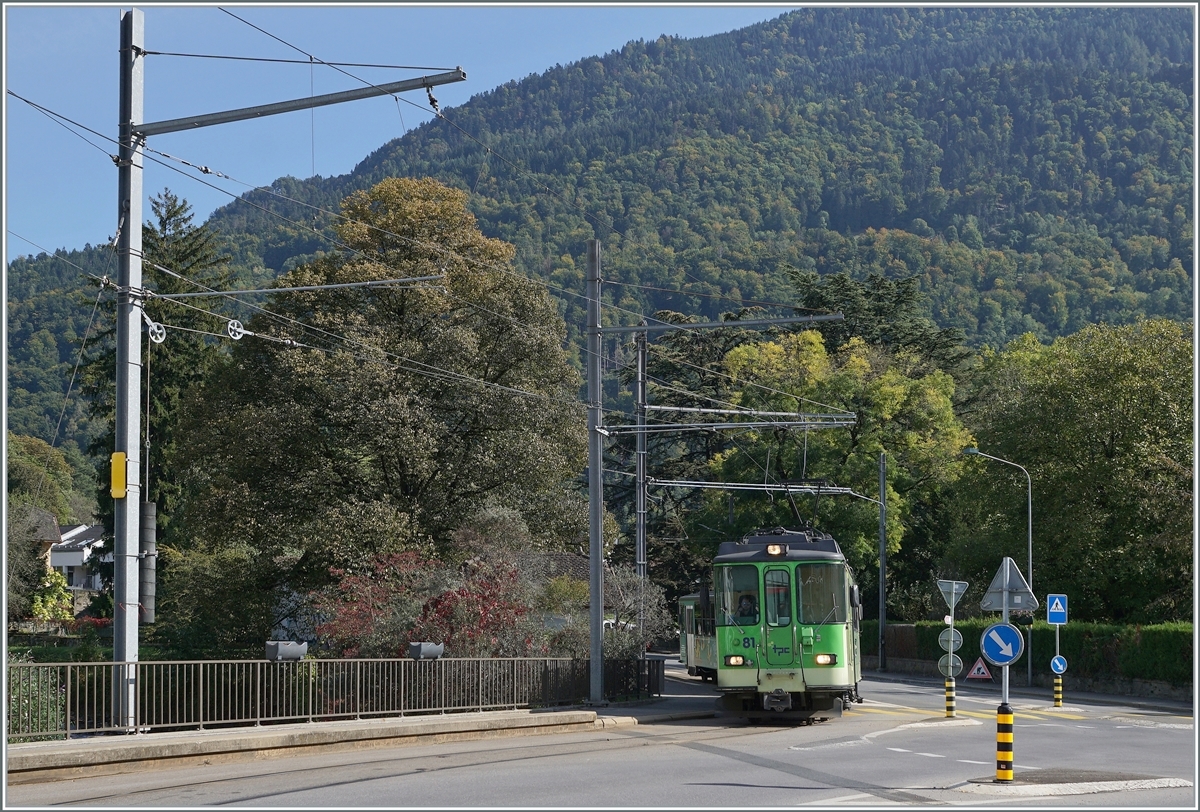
x: 735, y: 659
x: 776, y: 549
x: 826, y: 659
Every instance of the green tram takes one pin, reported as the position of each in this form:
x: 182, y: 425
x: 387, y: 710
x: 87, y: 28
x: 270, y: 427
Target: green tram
x: 779, y: 629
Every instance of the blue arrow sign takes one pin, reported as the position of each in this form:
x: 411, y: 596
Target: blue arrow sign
x: 1001, y: 644
x: 1059, y: 664
x: 1056, y: 610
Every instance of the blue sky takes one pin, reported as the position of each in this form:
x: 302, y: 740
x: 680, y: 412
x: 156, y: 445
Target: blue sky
x: 60, y: 191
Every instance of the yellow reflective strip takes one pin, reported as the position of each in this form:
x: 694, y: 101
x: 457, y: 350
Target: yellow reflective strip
x: 1004, y: 737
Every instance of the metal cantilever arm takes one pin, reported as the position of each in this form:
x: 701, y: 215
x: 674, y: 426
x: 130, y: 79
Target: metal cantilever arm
x: 241, y: 114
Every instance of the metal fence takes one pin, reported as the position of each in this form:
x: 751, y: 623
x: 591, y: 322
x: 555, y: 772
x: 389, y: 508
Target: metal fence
x: 61, y: 700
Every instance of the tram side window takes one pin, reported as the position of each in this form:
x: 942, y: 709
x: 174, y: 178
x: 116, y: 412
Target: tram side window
x: 822, y: 592
x: 737, y: 589
x: 778, y: 597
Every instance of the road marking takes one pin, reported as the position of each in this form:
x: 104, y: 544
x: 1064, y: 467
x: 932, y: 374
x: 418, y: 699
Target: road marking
x: 902, y: 712
x: 900, y: 750
x: 857, y: 799
x: 929, y: 755
x: 968, y: 761
x: 832, y: 744
x: 1147, y: 721
x: 1019, y: 715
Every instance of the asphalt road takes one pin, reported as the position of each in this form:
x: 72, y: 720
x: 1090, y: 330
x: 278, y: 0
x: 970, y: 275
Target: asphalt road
x: 895, y: 748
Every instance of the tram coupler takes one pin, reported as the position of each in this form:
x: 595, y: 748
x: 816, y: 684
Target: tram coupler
x: 777, y: 700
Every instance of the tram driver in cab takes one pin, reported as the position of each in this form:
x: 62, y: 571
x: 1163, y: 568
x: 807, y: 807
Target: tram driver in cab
x: 747, y: 608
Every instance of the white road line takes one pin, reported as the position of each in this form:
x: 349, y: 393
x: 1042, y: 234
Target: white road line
x: 968, y: 761
x: 930, y: 755
x: 858, y: 799
x: 831, y: 745
x: 843, y: 798
x: 900, y: 750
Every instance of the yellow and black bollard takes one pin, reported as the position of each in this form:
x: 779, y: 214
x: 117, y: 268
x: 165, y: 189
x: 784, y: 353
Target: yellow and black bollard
x: 949, y: 697
x: 1058, y: 690
x: 1004, y: 743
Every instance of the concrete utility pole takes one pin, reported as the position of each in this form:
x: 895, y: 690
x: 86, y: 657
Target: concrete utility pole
x: 126, y: 459
x: 595, y: 475
x: 882, y: 561
x: 126, y: 467
x: 639, y: 396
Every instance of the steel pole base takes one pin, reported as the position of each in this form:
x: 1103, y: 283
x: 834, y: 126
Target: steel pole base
x: 1004, y: 744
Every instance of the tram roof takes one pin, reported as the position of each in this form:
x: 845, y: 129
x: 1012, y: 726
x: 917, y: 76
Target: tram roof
x: 801, y: 545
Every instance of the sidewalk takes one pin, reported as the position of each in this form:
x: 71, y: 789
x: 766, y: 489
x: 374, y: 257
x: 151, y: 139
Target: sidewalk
x: 684, y: 698
x: 35, y: 762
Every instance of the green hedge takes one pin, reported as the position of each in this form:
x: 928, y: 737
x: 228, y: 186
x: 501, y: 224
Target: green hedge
x: 1096, y: 650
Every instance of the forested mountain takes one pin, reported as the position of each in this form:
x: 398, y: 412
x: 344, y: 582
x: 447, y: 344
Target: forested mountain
x: 1030, y: 166
x: 1033, y: 166
x: 950, y: 179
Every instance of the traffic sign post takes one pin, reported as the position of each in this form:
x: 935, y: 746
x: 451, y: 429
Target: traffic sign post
x: 1056, y: 615
x: 950, y: 640
x: 1001, y: 645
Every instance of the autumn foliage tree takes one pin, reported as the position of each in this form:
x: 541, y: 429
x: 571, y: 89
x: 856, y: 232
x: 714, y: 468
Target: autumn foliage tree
x: 363, y: 420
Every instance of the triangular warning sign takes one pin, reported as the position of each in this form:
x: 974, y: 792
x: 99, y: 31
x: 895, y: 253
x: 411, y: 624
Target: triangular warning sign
x: 1056, y: 606
x: 1008, y: 586
x: 979, y: 671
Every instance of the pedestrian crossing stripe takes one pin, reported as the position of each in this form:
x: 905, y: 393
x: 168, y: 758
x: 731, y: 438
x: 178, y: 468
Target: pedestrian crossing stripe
x: 1022, y: 714
x: 979, y: 671
x: 897, y: 712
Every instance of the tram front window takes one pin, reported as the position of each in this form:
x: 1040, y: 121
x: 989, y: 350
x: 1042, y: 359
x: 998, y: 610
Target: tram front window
x: 738, y: 588
x: 779, y: 598
x: 822, y: 593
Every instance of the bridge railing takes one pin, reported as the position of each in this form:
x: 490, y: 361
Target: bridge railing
x: 62, y: 700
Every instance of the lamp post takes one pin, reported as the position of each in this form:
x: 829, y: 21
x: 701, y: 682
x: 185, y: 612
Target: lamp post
x: 1029, y: 482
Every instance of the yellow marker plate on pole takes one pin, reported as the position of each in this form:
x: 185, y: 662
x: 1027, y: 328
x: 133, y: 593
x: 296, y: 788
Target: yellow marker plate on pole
x: 118, y: 488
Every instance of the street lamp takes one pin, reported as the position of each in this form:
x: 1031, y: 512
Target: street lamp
x: 977, y: 453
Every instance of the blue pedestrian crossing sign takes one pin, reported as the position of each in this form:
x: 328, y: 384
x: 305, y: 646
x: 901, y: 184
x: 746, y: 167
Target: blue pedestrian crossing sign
x: 1058, y: 664
x: 1056, y: 610
x: 1001, y: 644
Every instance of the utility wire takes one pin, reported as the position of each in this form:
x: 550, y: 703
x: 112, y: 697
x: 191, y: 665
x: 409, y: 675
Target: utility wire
x: 78, y: 361
x: 754, y: 384
x: 206, y: 170
x: 419, y: 367
x: 101, y: 279
x: 295, y: 61
x: 50, y: 114
x: 682, y: 292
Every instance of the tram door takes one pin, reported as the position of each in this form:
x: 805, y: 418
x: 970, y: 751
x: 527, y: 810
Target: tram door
x: 689, y: 633
x: 780, y: 641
